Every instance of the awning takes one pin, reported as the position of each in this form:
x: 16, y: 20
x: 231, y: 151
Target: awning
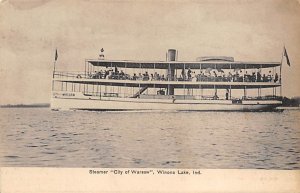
x: 182, y: 64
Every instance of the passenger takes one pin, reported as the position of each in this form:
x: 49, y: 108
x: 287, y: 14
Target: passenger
x: 276, y: 78
x: 106, y: 73
x: 216, y: 96
x: 253, y: 77
x: 168, y: 77
x: 246, y: 77
x: 224, y: 78
x: 214, y: 77
x: 152, y: 78
x: 215, y: 74
x: 95, y: 75
x: 140, y: 77
x: 116, y: 70
x: 194, y: 79
x: 206, y: 75
x: 122, y: 75
x: 236, y: 76
x: 258, y: 77
x: 158, y: 77
x: 265, y: 78
x: 155, y: 76
x: 227, y: 93
x: 219, y: 72
x: 269, y: 76
x: 198, y: 77
x: 241, y: 76
x: 110, y: 75
x: 230, y: 77
x: 183, y: 74
x: 189, y: 73
x: 101, y: 74
x: 146, y: 76
x: 134, y: 76
x: 201, y: 77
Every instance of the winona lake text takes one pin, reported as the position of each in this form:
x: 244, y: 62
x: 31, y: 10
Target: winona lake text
x: 145, y: 172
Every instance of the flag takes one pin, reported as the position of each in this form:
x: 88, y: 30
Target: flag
x: 56, y: 55
x: 287, y: 57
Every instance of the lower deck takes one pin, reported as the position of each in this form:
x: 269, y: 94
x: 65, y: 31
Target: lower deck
x: 79, y: 101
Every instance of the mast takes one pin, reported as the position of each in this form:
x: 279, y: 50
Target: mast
x: 54, y: 64
x: 53, y: 75
x: 280, y: 79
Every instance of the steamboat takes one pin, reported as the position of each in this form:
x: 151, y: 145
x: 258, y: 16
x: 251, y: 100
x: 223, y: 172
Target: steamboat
x: 215, y: 83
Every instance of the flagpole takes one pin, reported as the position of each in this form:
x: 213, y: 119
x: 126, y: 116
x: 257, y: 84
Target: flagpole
x: 55, y: 59
x: 280, y: 70
x: 54, y: 67
x: 53, y: 75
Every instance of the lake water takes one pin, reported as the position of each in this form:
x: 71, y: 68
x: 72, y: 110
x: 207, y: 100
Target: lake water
x: 222, y: 140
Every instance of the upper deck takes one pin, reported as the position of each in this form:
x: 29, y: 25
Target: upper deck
x: 173, y: 77
x: 206, y: 71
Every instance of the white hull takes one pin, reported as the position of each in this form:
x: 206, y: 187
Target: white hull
x: 77, y: 102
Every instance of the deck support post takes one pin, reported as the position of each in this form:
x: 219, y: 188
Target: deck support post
x: 86, y: 75
x: 125, y: 72
x: 88, y: 68
x: 154, y: 86
x: 93, y: 88
x: 171, y: 73
x: 280, y: 79
x: 183, y: 76
x: 100, y: 92
x: 216, y: 91
x: 230, y: 92
x: 183, y: 91
x: 140, y: 82
x: 200, y: 68
x: 97, y: 89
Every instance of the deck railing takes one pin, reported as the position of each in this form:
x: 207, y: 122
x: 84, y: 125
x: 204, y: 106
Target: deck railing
x: 196, y: 78
x: 70, y: 75
x: 177, y: 97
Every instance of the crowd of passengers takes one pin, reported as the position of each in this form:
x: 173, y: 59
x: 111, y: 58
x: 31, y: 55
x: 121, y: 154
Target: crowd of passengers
x: 189, y: 75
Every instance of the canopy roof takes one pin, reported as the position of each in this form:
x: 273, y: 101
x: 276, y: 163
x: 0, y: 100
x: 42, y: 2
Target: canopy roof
x: 181, y: 64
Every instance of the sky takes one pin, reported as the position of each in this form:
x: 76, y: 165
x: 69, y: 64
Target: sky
x: 31, y: 30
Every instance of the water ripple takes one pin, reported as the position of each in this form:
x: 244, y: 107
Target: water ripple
x: 40, y: 137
